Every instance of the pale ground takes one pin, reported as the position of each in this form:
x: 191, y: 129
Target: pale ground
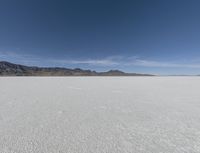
x: 100, y: 115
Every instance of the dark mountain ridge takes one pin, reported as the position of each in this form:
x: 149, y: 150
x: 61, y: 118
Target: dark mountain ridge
x: 10, y: 69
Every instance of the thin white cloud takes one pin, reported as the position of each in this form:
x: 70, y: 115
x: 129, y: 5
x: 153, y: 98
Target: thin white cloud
x: 26, y: 59
x: 98, y: 62
x: 129, y: 61
x: 149, y: 63
x: 88, y: 61
x: 10, y: 54
x: 107, y: 61
x: 110, y: 61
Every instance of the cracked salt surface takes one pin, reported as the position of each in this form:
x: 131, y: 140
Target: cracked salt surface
x: 99, y: 115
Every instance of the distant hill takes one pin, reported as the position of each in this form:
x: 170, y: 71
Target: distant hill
x: 10, y: 69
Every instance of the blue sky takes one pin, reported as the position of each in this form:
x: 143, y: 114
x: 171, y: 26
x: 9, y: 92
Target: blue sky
x: 157, y: 36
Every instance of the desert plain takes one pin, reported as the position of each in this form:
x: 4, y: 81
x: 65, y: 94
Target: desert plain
x: 100, y: 114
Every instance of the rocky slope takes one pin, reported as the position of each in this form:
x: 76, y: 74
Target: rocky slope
x: 10, y: 69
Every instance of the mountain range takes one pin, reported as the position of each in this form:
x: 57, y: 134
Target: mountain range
x: 10, y: 69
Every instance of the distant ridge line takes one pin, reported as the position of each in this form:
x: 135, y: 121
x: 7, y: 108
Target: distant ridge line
x: 11, y: 69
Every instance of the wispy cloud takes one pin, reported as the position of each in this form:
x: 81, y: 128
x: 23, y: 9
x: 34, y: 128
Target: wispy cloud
x: 106, y: 61
x: 27, y: 59
x: 103, y: 62
x: 150, y: 63
x: 110, y: 61
x: 130, y: 61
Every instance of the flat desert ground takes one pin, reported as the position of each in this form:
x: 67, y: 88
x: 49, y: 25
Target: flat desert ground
x: 99, y: 114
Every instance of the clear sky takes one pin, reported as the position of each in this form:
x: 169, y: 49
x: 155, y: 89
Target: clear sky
x: 147, y: 36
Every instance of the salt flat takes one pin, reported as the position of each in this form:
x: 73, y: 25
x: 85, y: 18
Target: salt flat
x: 99, y: 114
